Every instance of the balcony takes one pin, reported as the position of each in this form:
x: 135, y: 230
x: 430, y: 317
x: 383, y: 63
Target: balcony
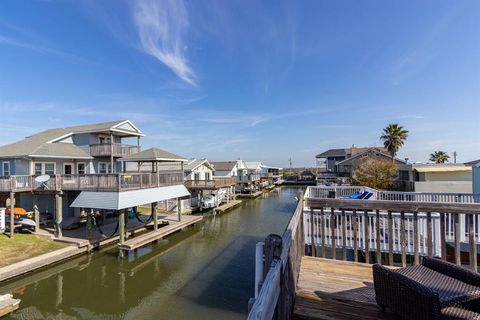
x: 252, y: 177
x: 92, y: 182
x: 115, y: 149
x: 214, y: 184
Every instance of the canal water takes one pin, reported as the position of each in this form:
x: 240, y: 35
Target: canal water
x: 205, y: 272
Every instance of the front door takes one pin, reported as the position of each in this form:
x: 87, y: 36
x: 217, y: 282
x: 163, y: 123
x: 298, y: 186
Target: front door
x: 67, y: 168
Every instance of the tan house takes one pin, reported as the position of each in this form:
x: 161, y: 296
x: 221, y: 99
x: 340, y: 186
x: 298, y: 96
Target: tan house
x: 447, y: 177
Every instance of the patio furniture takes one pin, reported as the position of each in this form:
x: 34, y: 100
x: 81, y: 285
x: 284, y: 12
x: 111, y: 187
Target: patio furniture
x: 436, y: 289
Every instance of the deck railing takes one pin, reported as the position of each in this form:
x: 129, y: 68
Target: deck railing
x: 115, y: 149
x: 393, y: 227
x: 216, y: 183
x: 342, y: 191
x: 92, y: 182
x: 383, y: 231
x: 277, y: 269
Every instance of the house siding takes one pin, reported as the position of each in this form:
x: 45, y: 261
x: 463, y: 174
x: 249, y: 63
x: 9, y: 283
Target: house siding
x: 202, y: 171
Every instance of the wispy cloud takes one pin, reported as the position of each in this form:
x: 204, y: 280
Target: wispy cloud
x: 162, y: 27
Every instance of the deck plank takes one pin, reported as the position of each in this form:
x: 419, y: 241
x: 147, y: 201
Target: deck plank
x: 336, y: 290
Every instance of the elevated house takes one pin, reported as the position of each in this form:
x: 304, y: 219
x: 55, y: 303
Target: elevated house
x: 327, y: 161
x: 340, y: 163
x: 271, y: 175
x: 65, y: 170
x: 207, y: 190
x: 249, y: 176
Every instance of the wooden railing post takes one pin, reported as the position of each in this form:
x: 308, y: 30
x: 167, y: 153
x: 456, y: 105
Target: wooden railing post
x: 272, y: 251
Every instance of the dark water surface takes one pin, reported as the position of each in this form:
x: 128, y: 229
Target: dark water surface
x: 205, y: 272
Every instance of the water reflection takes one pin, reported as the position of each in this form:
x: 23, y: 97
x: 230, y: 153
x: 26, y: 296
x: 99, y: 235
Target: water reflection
x: 205, y: 272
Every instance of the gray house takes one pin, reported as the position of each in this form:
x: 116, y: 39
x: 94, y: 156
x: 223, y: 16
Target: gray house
x: 55, y: 168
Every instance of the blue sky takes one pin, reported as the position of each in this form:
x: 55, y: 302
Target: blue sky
x: 260, y: 80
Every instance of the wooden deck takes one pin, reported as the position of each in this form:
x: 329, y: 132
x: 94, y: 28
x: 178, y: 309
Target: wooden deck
x: 336, y: 290
x: 151, y: 236
x: 250, y: 195
x: 227, y: 206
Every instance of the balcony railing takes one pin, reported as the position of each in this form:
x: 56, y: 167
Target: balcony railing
x: 216, y: 183
x: 249, y: 178
x: 115, y: 149
x: 92, y: 182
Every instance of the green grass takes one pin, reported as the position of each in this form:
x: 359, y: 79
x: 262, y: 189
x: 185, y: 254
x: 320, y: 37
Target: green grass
x: 24, y: 246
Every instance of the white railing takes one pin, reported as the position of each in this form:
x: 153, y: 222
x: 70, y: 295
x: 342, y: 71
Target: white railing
x: 342, y: 191
x: 370, y: 223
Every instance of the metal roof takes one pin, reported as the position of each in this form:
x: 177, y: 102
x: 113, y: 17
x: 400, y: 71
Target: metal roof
x: 444, y: 167
x: 153, y: 154
x: 127, y: 199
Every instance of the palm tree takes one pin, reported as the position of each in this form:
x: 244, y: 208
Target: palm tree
x: 394, y: 136
x: 439, y: 157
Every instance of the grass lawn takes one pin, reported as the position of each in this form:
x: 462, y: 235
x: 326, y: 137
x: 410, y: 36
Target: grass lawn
x: 24, y: 246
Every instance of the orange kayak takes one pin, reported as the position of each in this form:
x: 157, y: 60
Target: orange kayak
x: 17, y: 211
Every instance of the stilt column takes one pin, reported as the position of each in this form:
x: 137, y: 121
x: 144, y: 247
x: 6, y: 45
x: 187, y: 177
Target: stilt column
x: 121, y: 226
x: 179, y: 208
x: 58, y: 214
x: 12, y: 213
x: 154, y: 215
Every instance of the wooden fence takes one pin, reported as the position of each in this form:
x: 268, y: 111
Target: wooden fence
x: 281, y: 260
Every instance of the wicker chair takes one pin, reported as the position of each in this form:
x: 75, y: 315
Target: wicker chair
x: 433, y: 290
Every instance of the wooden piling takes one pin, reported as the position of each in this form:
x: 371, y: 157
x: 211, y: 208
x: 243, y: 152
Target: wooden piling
x: 58, y: 214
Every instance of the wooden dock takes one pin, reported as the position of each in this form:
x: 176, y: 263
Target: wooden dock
x: 336, y: 290
x: 250, y: 195
x: 8, y: 304
x: 151, y: 236
x: 227, y: 206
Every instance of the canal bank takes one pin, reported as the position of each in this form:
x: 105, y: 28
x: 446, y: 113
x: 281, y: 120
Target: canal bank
x: 205, y: 272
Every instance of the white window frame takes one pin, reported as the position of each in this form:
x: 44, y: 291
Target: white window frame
x: 34, y: 169
x: 69, y: 164
x: 84, y: 168
x: 3, y: 168
x: 112, y: 170
x: 42, y: 164
x: 106, y: 137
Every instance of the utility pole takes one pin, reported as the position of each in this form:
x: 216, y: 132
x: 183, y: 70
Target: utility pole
x: 290, y: 160
x: 454, y: 156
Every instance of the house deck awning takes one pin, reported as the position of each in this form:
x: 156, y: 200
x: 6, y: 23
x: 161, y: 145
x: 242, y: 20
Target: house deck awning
x: 127, y: 199
x: 446, y: 168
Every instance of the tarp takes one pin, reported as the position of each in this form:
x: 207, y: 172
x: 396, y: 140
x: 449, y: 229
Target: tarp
x: 127, y: 199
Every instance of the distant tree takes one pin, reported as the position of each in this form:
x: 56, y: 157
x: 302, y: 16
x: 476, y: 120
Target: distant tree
x: 394, y: 137
x: 439, y: 156
x: 374, y: 173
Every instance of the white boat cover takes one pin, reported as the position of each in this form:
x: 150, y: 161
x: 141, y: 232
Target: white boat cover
x: 127, y: 199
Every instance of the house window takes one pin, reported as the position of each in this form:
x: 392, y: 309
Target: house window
x: 49, y: 168
x: 81, y: 168
x: 38, y: 169
x: 44, y: 168
x: 104, y: 167
x: 196, y: 176
x: 104, y: 140
x: 6, y: 168
x: 207, y: 175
